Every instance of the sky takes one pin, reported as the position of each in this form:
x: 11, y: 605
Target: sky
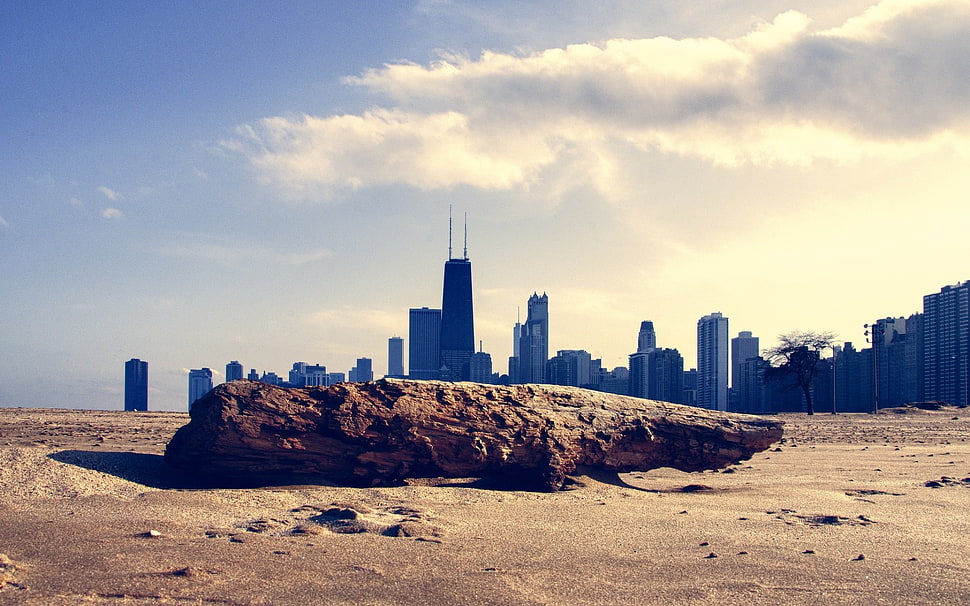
x: 193, y: 183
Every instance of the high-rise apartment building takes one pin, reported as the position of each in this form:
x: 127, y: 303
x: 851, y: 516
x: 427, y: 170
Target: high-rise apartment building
x: 743, y: 346
x: 750, y: 384
x: 898, y: 358
x: 657, y: 375
x: 946, y: 345
x: 424, y: 336
x: 712, y: 362
x: 234, y: 371
x: 570, y: 367
x: 136, y: 384
x: 666, y: 376
x: 395, y: 357
x: 534, y: 341
x: 639, y: 374
x: 200, y: 383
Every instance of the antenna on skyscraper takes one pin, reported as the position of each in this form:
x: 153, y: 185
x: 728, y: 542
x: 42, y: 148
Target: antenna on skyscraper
x: 465, y: 253
x: 449, y: 232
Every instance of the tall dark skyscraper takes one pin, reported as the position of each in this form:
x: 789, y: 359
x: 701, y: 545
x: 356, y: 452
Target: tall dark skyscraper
x: 136, y: 384
x: 457, y: 317
x: 424, y: 351
x: 534, y: 341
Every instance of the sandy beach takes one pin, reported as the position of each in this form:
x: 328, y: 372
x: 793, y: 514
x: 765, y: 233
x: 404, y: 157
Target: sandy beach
x: 851, y: 509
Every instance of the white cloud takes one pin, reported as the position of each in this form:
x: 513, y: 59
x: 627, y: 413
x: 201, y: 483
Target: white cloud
x: 425, y: 150
x: 3, y: 222
x: 112, y: 214
x: 109, y: 193
x: 890, y: 82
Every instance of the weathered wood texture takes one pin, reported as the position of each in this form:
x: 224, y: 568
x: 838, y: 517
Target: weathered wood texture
x: 384, y: 431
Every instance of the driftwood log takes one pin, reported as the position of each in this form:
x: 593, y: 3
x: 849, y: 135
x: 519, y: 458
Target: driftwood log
x: 384, y: 431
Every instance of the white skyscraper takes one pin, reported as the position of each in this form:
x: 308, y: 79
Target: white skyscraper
x: 712, y: 362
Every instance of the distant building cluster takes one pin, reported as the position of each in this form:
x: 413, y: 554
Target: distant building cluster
x: 923, y: 357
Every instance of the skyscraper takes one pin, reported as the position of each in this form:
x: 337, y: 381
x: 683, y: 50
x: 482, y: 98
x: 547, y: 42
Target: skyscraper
x: 136, y: 384
x: 570, y: 367
x: 297, y: 374
x: 743, y: 346
x: 363, y: 371
x: 639, y: 374
x: 234, y: 371
x: 457, y: 316
x: 200, y: 383
x: 750, y: 385
x: 712, y: 362
x: 424, y: 334
x: 480, y: 367
x: 658, y: 375
x: 946, y: 345
x: 534, y: 342
x: 647, y: 339
x: 514, y: 358
x: 666, y: 376
x: 395, y: 357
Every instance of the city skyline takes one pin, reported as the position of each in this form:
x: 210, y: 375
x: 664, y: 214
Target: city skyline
x: 923, y: 357
x: 189, y: 185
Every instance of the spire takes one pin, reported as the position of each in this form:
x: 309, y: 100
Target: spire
x: 449, y: 233
x: 465, y: 253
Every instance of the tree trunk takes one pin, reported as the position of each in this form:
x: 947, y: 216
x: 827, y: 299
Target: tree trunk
x: 383, y: 431
x: 809, y: 405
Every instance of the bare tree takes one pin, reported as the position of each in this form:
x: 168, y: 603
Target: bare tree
x: 797, y: 355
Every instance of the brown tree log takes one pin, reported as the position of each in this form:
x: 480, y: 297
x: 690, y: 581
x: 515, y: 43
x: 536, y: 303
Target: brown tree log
x: 385, y: 431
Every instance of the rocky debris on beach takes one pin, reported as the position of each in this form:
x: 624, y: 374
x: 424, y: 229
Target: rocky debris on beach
x: 947, y: 481
x: 381, y: 432
x: 9, y: 574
